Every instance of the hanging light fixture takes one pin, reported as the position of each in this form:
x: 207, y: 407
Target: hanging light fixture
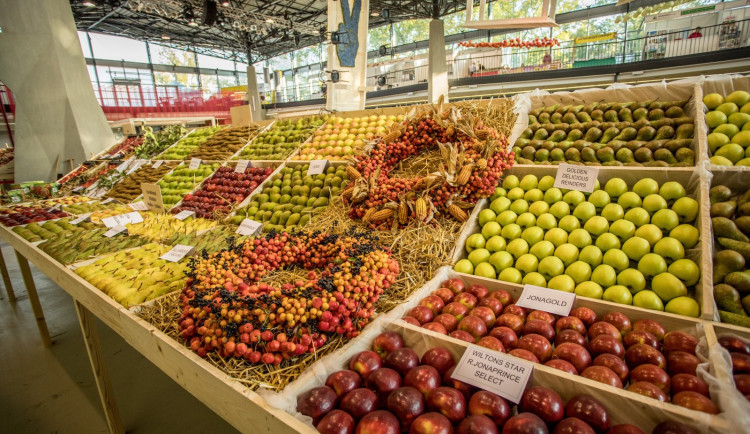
x: 190, y: 17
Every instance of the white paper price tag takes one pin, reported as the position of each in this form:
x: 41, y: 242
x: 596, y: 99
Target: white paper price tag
x: 113, y: 221
x: 138, y: 206
x: 77, y: 189
x: 106, y: 201
x: 115, y: 230
x: 491, y: 370
x: 122, y: 219
x: 122, y: 167
x: 81, y: 218
x: 580, y: 178
x: 548, y: 300
x: 134, y: 217
x: 182, y: 215
x: 242, y: 165
x: 249, y: 227
x: 317, y: 167
x: 158, y: 164
x: 194, y: 163
x: 177, y: 253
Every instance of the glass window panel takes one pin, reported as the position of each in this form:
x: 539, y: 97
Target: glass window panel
x: 118, y: 48
x: 215, y: 63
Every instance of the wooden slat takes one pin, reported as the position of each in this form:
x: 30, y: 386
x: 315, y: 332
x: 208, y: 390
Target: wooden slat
x: 6, y: 279
x: 36, y: 306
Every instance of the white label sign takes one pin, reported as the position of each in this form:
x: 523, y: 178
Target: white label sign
x: 548, y: 300
x: 122, y: 219
x: 317, y: 167
x: 136, y: 166
x: 158, y: 164
x: 249, y: 227
x: 194, y: 163
x: 241, y: 166
x: 82, y: 218
x: 491, y: 370
x: 106, y: 201
x: 122, y: 167
x: 580, y: 178
x: 115, y: 230
x: 182, y: 215
x: 139, y: 206
x: 77, y: 189
x: 177, y: 253
x: 134, y: 217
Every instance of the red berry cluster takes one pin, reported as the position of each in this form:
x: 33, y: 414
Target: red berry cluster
x: 225, y: 309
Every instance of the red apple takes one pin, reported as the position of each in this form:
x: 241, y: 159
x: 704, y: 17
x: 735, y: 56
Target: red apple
x: 606, y: 344
x: 512, y: 321
x: 544, y: 402
x: 524, y: 354
x: 525, y: 423
x: 435, y: 327
x: 490, y: 405
x: 407, y: 403
x: 670, y: 427
x: 653, y: 374
x: 573, y: 425
x: 516, y: 310
x: 411, y: 320
x: 651, y: 326
x: 336, y: 422
x: 680, y: 362
x: 683, y: 382
x: 648, y: 389
x: 466, y: 299
x: 477, y: 424
x: 455, y: 284
x: 640, y: 354
x: 502, y: 296
x: 365, y: 363
x: 679, y: 341
x: 734, y: 344
x: 445, y: 294
x: 574, y: 354
x: 478, y: 291
x: 740, y: 363
x: 448, y: 321
x: 342, y: 382
x: 585, y: 314
x: 619, y: 320
x: 402, y: 360
x: 316, y: 402
x: 439, y: 358
x: 695, y: 401
x: 434, y: 302
x: 602, y: 375
x: 449, y: 381
x: 456, y: 309
x: 423, y: 314
x: 571, y: 336
x: 431, y: 423
x: 616, y: 364
x: 542, y: 316
x: 379, y: 422
x: 494, y: 304
x: 506, y: 336
x: 589, y: 410
x: 424, y: 378
x: 536, y: 344
x: 562, y: 365
x: 449, y: 402
x: 462, y: 335
x: 359, y: 402
x: 383, y: 381
x: 492, y: 343
x: 485, y: 314
x: 386, y: 342
x: 570, y: 323
x: 473, y: 325
x: 625, y: 428
x: 640, y: 337
x: 742, y: 383
x: 539, y: 327
x: 603, y: 328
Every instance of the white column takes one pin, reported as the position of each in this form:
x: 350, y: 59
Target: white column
x: 57, y: 113
x: 253, y: 98
x: 349, y: 93
x: 437, y: 71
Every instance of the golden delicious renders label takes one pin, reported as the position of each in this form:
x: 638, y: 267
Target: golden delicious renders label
x: 580, y: 178
x: 548, y: 300
x: 501, y: 374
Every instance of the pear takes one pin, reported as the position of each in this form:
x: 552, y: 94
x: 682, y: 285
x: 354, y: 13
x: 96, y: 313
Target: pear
x: 733, y: 318
x: 740, y: 280
x: 728, y: 299
x: 720, y: 193
x: 724, y: 227
x: 724, y: 209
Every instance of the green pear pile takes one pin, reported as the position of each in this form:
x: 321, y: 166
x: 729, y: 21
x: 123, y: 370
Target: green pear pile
x: 728, y: 121
x: 75, y: 245
x: 186, y: 146
x: 284, y: 136
x: 645, y: 133
x: 625, y: 244
x: 33, y: 231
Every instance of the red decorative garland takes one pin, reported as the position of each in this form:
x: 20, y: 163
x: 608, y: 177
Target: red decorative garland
x: 513, y: 43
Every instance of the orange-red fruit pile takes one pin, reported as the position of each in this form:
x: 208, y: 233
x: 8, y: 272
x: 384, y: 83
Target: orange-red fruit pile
x: 513, y: 43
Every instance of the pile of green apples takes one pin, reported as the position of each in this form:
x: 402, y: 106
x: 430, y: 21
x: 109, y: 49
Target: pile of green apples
x: 284, y: 136
x: 729, y: 125
x: 186, y: 146
x: 183, y: 180
x: 623, y: 244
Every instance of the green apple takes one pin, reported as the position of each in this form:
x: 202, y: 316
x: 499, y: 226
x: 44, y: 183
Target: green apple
x: 623, y: 229
x: 604, y: 275
x: 553, y: 195
x: 650, y: 233
x: 665, y: 219
x: 632, y: 279
x: 715, y: 118
x: 526, y: 220
x: 713, y: 100
x: 639, y: 216
x: 685, y: 270
x: 591, y: 255
x: 728, y: 108
x: 596, y: 225
x: 669, y: 248
x: 506, y: 217
x: 654, y: 202
x: 579, y: 238
x: 546, y: 221
x: 652, y: 265
x: 559, y: 209
x: 645, y: 186
x: 636, y: 248
x: 478, y: 256
x: 517, y: 247
x: 618, y: 294
x: 739, y: 119
x: 501, y: 260
x: 584, y: 211
x: 528, y: 182
x: 510, y: 181
x: 542, y: 249
x: 607, y: 241
x: 683, y: 306
x: 485, y: 269
x: 629, y: 200
x: 473, y: 242
x: 495, y: 244
x: 539, y: 207
x: 500, y: 204
x: 491, y: 229
x: 613, y: 212
x: 569, y: 223
x: 511, y: 232
x: 510, y: 275
x: 533, y: 235
x: 686, y: 209
x: 519, y: 206
x: 515, y: 194
x: 550, y: 267
x: 573, y: 198
x: 738, y: 97
x: 648, y: 300
x: 534, y: 278
x: 589, y: 289
x: 728, y: 130
x: 486, y: 215
x: 616, y: 259
x: 546, y: 182
x: 580, y: 271
x: 567, y: 252
x: 742, y: 138
x: 615, y: 187
x: 716, y: 141
x: 720, y: 161
x: 731, y: 151
x: 527, y: 263
x: 667, y: 286
x: 556, y: 236
x: 562, y: 282
x: 464, y: 266
x: 687, y: 234
x: 533, y: 195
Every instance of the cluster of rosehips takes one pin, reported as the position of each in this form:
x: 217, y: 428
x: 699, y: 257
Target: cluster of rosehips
x: 610, y: 349
x: 391, y: 390
x: 225, y: 309
x: 513, y: 43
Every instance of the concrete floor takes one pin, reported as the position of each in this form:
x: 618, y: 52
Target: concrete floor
x: 52, y: 390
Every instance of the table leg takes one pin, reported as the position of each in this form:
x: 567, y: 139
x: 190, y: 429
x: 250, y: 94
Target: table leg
x: 6, y: 279
x: 91, y: 338
x: 36, y: 306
